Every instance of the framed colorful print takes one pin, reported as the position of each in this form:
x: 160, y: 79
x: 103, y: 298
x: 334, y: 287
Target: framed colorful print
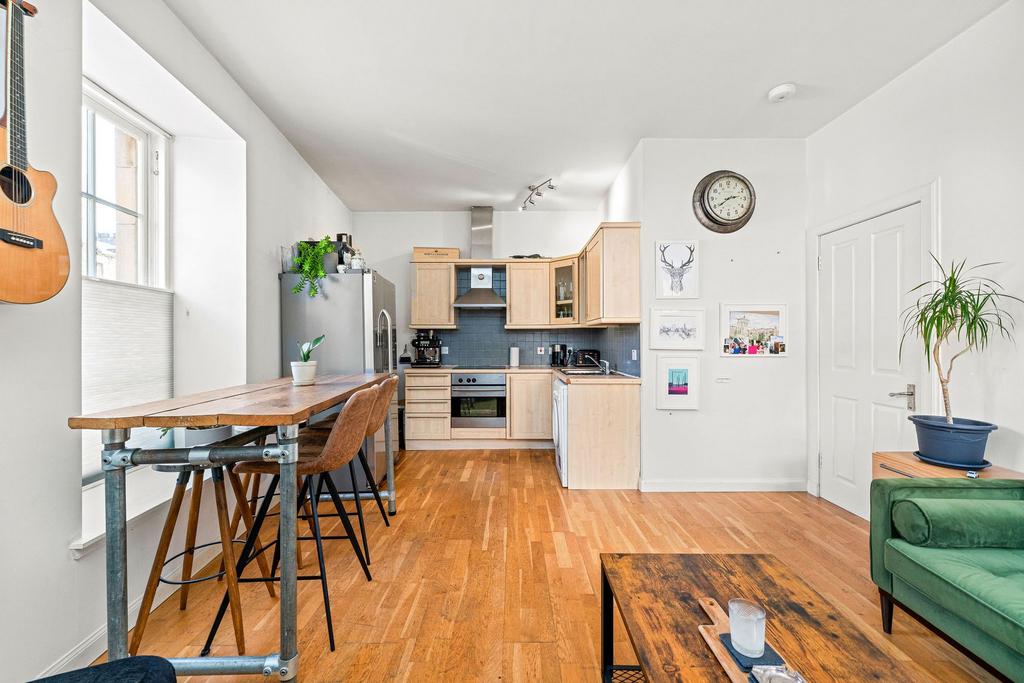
x: 681, y: 329
x: 753, y: 330
x: 678, y: 383
x: 678, y: 272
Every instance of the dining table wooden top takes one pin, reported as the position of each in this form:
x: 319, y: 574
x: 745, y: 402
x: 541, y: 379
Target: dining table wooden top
x: 264, y: 404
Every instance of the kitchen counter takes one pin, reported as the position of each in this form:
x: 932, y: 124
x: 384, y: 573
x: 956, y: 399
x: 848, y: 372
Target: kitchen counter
x: 614, y: 378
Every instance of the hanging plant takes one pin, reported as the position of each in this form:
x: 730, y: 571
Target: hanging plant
x: 309, y: 264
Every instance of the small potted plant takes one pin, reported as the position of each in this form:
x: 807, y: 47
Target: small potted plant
x: 314, y: 261
x: 304, y: 371
x: 963, y: 312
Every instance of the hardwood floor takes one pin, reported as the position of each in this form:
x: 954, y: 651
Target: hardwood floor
x: 490, y: 572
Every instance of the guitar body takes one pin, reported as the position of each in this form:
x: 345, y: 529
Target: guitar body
x: 31, y: 274
x: 34, y: 260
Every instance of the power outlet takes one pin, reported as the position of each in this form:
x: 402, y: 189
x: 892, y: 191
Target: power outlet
x: 540, y: 350
x: 635, y: 355
x: 444, y: 350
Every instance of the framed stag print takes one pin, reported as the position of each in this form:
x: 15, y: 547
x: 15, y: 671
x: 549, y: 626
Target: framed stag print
x: 677, y: 264
x: 678, y: 383
x: 753, y: 330
x: 681, y: 329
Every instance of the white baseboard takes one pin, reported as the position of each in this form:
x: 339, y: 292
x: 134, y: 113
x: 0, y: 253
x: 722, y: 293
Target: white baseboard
x: 85, y: 652
x: 724, y: 485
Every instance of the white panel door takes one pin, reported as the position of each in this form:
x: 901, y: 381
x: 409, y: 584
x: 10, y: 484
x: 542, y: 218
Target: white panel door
x: 866, y: 273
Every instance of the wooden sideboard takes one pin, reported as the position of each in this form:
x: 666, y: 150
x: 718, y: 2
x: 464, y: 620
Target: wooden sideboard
x: 889, y: 464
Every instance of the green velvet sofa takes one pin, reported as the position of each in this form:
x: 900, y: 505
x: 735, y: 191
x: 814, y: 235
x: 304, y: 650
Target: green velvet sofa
x: 973, y: 593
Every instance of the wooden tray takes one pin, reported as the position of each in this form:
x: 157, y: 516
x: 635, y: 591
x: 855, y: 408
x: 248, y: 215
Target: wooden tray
x: 710, y: 632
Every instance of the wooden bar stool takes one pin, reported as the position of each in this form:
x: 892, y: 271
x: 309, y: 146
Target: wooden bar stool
x: 226, y: 541
x: 380, y: 415
x: 319, y: 454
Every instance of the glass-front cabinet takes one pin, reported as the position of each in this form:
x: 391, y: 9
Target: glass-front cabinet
x: 565, y: 291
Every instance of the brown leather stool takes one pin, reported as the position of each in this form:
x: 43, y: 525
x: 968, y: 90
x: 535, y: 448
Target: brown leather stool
x: 319, y: 453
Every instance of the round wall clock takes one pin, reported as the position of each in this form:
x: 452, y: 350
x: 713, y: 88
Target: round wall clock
x: 723, y: 201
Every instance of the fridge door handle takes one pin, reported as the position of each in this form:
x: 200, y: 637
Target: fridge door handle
x: 387, y: 319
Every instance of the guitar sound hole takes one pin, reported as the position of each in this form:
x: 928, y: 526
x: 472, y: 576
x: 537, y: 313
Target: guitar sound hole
x: 15, y: 185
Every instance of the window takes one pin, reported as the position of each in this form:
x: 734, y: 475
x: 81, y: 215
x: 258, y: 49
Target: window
x: 127, y: 307
x: 123, y: 193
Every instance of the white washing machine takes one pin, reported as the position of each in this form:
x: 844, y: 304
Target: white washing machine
x: 559, y: 428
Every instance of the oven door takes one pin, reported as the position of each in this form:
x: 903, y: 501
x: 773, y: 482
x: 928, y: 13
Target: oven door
x: 478, y: 406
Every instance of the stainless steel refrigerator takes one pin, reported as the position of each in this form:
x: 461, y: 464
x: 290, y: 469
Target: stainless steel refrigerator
x: 357, y: 312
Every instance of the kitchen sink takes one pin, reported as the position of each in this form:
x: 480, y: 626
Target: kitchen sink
x: 581, y: 371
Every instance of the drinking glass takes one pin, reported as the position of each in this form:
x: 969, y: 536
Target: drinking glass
x: 746, y: 626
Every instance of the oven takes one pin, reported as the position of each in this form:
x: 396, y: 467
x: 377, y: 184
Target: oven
x: 478, y: 400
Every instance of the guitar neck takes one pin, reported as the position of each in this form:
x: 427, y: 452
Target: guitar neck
x: 17, y: 143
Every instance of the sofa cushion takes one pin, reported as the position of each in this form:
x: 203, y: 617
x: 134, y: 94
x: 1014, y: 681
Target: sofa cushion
x: 960, y: 523
x: 984, y: 586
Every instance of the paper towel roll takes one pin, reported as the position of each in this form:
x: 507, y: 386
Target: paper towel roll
x: 513, y: 356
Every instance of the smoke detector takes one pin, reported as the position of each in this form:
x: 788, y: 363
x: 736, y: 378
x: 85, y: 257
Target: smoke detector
x: 781, y: 92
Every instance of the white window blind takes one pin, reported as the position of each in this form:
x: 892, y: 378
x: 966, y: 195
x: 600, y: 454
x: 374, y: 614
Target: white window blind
x: 127, y: 355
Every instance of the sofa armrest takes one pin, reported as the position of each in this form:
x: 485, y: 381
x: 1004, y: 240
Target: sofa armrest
x: 885, y: 492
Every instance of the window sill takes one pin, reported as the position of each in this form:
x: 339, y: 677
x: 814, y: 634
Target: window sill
x: 145, y: 491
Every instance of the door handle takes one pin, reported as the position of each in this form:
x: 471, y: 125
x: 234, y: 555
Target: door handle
x: 910, y: 393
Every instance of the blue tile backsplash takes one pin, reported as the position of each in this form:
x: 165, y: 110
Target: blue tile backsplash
x: 483, y: 340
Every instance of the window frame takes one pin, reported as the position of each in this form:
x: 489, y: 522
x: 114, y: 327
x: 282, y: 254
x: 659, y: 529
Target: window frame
x: 152, y: 212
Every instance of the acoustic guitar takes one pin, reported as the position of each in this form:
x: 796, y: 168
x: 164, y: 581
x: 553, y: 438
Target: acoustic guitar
x: 34, y: 261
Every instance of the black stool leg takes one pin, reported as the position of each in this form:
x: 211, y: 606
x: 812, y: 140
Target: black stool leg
x: 350, y: 533
x: 243, y: 559
x: 373, y: 487
x: 320, y: 556
x: 359, y: 510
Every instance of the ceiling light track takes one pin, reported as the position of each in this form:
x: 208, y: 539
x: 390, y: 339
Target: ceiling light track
x: 536, y: 191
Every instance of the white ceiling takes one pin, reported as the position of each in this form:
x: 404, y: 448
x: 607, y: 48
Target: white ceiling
x: 411, y: 105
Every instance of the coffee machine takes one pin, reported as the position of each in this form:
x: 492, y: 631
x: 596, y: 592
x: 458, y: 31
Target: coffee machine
x: 426, y: 350
x: 559, y: 355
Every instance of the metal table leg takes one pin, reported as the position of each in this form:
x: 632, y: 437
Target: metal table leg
x: 287, y: 439
x: 116, y: 517
x: 390, y: 458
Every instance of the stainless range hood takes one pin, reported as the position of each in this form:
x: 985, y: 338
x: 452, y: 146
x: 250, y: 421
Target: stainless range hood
x: 481, y: 292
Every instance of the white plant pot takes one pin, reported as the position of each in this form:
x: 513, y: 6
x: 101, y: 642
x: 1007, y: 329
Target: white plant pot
x: 303, y: 374
x: 187, y: 438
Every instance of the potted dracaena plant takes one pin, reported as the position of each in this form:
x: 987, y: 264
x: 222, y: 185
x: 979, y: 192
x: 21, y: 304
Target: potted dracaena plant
x: 961, y: 313
x: 304, y: 371
x: 314, y: 261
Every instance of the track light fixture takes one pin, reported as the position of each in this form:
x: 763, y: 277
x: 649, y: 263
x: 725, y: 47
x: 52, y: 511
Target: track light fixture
x: 537, y: 191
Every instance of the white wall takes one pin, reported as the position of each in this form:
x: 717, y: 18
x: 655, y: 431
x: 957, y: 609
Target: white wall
x: 748, y: 432
x: 285, y: 199
x: 40, y: 378
x: 955, y: 116
x: 386, y: 239
x: 208, y: 263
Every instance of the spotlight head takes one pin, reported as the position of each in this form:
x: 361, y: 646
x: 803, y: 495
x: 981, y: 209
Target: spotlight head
x: 531, y: 200
x: 538, y: 193
x: 551, y: 187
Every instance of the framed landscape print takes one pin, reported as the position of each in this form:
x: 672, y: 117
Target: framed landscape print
x: 678, y: 383
x: 681, y: 329
x: 678, y: 272
x: 753, y: 330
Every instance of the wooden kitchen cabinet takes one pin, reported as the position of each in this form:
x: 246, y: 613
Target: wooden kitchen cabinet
x: 603, y: 425
x: 428, y: 402
x: 529, y: 405
x: 612, y: 275
x: 433, y: 296
x: 564, y: 291
x: 528, y: 294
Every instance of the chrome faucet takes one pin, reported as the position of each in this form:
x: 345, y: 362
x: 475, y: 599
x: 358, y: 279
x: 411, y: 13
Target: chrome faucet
x: 606, y: 367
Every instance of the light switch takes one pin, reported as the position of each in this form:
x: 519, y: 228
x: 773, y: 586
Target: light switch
x: 723, y: 380
x: 540, y: 350
x: 444, y: 350
x: 635, y: 355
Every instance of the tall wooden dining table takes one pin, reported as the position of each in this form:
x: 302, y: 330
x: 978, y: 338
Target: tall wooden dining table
x: 269, y: 404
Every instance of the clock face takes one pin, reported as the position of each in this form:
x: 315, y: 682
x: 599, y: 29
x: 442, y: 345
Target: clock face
x: 728, y: 199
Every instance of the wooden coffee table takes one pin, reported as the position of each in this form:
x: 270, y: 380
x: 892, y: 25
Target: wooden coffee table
x: 657, y: 597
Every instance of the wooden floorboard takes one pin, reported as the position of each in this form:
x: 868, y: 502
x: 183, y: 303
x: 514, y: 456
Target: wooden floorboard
x: 490, y: 572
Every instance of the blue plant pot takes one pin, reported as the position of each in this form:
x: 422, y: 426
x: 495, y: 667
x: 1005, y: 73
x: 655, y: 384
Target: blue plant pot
x: 962, y: 442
